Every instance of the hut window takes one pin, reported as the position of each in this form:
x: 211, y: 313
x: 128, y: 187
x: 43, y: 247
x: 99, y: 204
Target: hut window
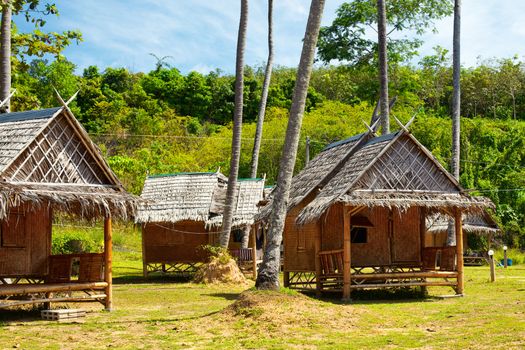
x: 237, y: 235
x: 359, y: 234
x: 13, y: 231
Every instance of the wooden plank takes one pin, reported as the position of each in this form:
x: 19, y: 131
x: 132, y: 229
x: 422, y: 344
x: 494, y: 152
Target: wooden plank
x: 254, y: 252
x: 346, y: 254
x: 317, y: 250
x: 408, y: 284
x: 90, y: 298
x: 15, y: 289
x: 459, y: 251
x: 108, y: 257
x: 396, y: 275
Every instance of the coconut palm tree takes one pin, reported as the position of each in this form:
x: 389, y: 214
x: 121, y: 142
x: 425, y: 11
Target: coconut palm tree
x: 5, y: 54
x: 268, y: 276
x: 456, y: 100
x: 264, y: 94
x: 224, y: 238
x: 262, y: 111
x: 383, y: 67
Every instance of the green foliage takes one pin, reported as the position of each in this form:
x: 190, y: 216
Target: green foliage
x: 346, y: 40
x: 216, y: 252
x: 76, y: 241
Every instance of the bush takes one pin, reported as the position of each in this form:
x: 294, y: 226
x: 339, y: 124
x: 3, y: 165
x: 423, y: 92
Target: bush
x: 72, y: 242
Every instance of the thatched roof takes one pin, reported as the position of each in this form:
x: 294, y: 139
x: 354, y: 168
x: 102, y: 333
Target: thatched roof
x: 392, y: 170
x: 47, y: 158
x: 197, y: 197
x: 319, y: 170
x: 478, y: 223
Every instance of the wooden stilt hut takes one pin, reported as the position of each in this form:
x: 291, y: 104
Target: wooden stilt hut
x: 184, y: 213
x: 356, y: 218
x: 48, y: 164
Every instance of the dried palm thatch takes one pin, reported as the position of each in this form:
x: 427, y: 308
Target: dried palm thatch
x: 319, y: 170
x: 47, y: 159
x: 197, y: 197
x: 477, y: 223
x: 393, y: 170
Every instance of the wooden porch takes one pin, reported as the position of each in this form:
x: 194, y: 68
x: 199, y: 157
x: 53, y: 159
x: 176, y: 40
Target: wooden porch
x: 70, y: 278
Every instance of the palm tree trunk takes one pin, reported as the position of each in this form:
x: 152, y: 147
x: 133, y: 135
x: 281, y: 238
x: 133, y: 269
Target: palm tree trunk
x: 5, y: 54
x: 264, y: 94
x: 268, y: 276
x: 383, y: 67
x: 227, y: 218
x: 456, y: 104
x: 262, y: 112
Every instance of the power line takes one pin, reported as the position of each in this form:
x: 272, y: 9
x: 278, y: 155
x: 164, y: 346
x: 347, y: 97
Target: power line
x: 499, y: 190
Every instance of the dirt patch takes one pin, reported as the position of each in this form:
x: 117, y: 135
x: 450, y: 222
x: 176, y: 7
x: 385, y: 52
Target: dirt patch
x: 220, y: 270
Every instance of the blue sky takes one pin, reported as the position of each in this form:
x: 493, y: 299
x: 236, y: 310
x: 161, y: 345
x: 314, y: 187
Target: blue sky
x: 201, y: 34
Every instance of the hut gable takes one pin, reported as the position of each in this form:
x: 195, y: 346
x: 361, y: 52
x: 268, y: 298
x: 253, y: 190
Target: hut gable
x: 54, y: 152
x: 405, y: 166
x: 46, y: 156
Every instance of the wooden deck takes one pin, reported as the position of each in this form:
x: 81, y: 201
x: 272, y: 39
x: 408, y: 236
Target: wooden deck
x: 437, y: 269
x: 61, y: 284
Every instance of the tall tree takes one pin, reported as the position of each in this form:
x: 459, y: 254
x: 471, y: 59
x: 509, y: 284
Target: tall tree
x: 264, y: 95
x: 456, y: 103
x: 262, y: 111
x: 346, y: 39
x: 5, y: 54
x: 227, y: 218
x: 268, y: 276
x: 383, y: 67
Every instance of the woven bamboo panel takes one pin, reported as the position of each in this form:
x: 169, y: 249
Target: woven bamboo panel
x: 405, y: 167
x: 57, y: 155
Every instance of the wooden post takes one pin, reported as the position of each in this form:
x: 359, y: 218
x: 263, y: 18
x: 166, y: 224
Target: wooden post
x: 346, y: 254
x: 108, y: 258
x: 317, y: 248
x: 422, y: 239
x: 286, y: 279
x: 144, y: 257
x: 459, y: 251
x: 254, y: 251
x: 505, y: 256
x: 492, y: 268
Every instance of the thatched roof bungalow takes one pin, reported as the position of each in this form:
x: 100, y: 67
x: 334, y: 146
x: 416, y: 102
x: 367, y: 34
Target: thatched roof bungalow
x: 360, y: 207
x: 184, y: 212
x: 47, y: 164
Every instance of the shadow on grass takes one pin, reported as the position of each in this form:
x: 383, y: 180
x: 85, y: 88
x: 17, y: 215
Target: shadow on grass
x: 376, y: 296
x: 226, y: 296
x: 160, y: 279
x: 20, y: 315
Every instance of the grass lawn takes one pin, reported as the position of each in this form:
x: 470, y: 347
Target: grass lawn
x: 168, y: 314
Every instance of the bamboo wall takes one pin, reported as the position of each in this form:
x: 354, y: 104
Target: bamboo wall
x: 376, y: 251
x: 163, y: 244
x: 25, y: 242
x: 299, y: 242
x: 394, y: 238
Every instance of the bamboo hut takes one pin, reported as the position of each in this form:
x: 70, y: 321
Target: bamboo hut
x: 48, y: 164
x: 357, y: 212
x: 184, y: 213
